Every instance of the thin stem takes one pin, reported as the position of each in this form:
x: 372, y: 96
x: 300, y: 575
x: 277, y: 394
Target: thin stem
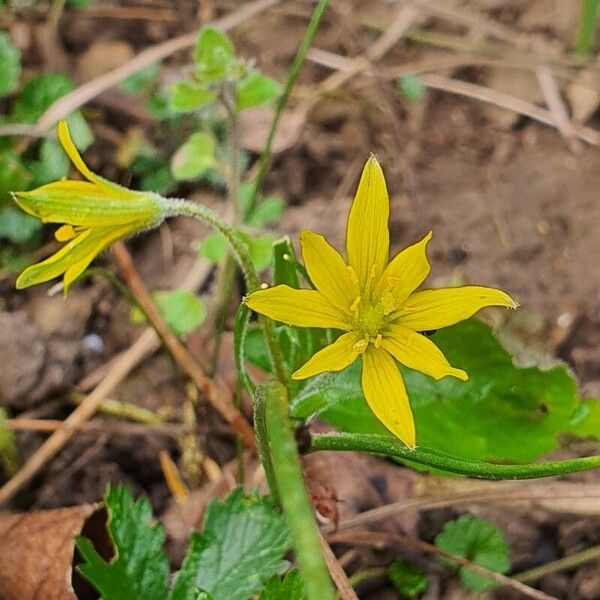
x: 241, y: 254
x: 587, y: 27
x: 379, y: 444
x: 292, y: 493
x: 563, y: 564
x: 366, y: 575
x: 262, y: 440
x: 305, y: 44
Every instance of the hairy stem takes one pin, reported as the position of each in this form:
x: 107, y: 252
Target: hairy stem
x: 379, y: 444
x: 287, y: 473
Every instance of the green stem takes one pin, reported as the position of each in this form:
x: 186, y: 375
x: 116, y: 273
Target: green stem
x: 366, y: 575
x: 175, y: 207
x: 289, y: 481
x: 379, y: 444
x: 292, y: 75
x: 262, y: 440
x: 587, y: 27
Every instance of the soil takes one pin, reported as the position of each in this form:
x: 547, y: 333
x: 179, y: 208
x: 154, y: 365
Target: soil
x: 511, y: 203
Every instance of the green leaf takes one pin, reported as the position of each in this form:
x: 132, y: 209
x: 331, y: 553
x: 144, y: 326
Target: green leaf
x: 214, y: 55
x: 267, y: 211
x: 141, y: 81
x: 53, y: 164
x: 214, y: 247
x: 9, y: 451
x: 80, y: 131
x: 183, y: 311
x: 256, y: 89
x: 585, y: 419
x: 139, y: 569
x: 288, y: 588
x: 411, y: 87
x: 478, y: 541
x: 154, y: 172
x: 408, y: 580
x: 241, y: 546
x: 196, y: 156
x: 14, y: 176
x: 187, y: 97
x: 260, y: 250
x: 38, y: 94
x: 18, y: 227
x: 10, y: 65
x: 479, y: 419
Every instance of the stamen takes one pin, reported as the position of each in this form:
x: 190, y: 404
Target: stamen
x: 354, y: 305
x: 387, y: 301
x: 264, y: 286
x: 361, y: 345
x: 352, y: 274
x: 393, y: 281
x: 377, y: 341
x: 65, y: 233
x: 373, y: 273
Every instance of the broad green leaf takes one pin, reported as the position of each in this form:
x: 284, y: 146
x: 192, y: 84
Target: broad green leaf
x: 196, y: 156
x: 9, y: 451
x: 585, y: 419
x: 267, y: 211
x: 479, y: 419
x: 141, y: 81
x: 183, y: 311
x: 411, y: 87
x: 53, y: 164
x: 288, y: 588
x: 18, y: 227
x: 478, y: 541
x: 213, y: 247
x: 214, y: 55
x: 139, y: 569
x: 408, y: 580
x: 260, y: 250
x: 38, y: 94
x: 187, y: 97
x: 241, y: 546
x: 10, y: 65
x: 256, y: 89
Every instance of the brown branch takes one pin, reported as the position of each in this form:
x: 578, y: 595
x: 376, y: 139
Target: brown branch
x: 378, y: 538
x: 346, y: 591
x: 213, y: 391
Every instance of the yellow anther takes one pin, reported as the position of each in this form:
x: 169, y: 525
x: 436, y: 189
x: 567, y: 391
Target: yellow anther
x: 393, y: 281
x: 352, y: 274
x: 373, y: 272
x: 377, y: 341
x: 65, y: 233
x: 387, y: 301
x: 354, y: 305
x: 361, y: 345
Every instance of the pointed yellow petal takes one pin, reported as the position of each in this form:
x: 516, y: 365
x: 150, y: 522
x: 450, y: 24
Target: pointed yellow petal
x: 386, y: 395
x: 368, y: 237
x: 82, y: 249
x: 406, y: 272
x: 327, y: 270
x: 302, y: 308
x: 433, y: 309
x: 417, y: 352
x: 335, y: 357
x: 67, y: 143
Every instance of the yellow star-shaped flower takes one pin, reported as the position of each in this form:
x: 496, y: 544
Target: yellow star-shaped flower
x: 375, y: 304
x: 95, y: 213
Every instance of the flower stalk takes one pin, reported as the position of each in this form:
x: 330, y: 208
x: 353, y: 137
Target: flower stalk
x: 284, y: 473
x: 388, y: 446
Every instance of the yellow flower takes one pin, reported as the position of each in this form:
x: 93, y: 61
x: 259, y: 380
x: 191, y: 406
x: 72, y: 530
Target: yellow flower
x: 95, y: 213
x: 375, y: 304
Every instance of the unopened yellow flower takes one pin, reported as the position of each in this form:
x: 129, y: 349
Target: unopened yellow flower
x: 375, y: 303
x: 95, y: 213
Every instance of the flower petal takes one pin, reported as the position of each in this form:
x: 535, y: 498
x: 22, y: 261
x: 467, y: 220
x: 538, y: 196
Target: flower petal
x: 302, y: 308
x: 67, y: 143
x: 83, y: 248
x: 335, y: 357
x: 368, y: 237
x: 386, y: 395
x: 327, y: 270
x: 406, y: 272
x: 433, y: 309
x: 417, y: 352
